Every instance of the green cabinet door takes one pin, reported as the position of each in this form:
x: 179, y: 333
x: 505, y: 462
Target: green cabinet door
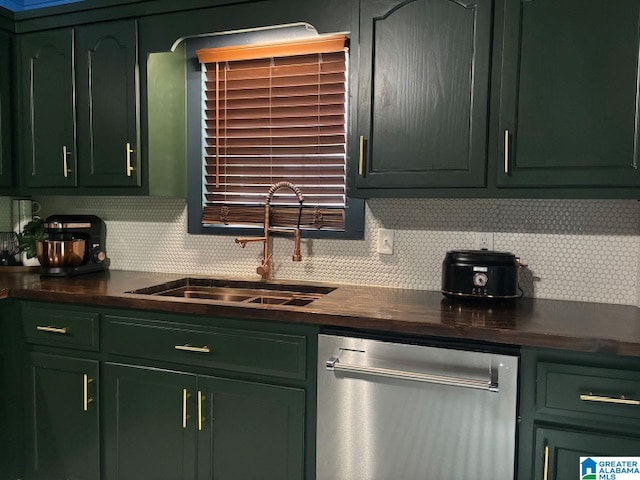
x: 5, y: 432
x: 249, y: 431
x: 149, y: 423
x: 12, y: 395
x: 6, y: 171
x: 107, y: 107
x: 422, y: 94
x: 63, y: 439
x: 558, y: 452
x: 47, y: 116
x: 569, y: 93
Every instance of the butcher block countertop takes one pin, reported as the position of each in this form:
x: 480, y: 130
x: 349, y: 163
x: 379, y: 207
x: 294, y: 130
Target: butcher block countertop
x: 579, y: 326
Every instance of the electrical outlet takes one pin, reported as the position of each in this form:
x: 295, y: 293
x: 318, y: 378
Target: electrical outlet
x: 385, y: 241
x: 484, y: 240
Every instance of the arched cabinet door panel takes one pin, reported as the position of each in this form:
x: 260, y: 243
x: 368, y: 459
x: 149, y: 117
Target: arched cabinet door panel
x: 47, y: 114
x: 108, y: 110
x: 423, y: 92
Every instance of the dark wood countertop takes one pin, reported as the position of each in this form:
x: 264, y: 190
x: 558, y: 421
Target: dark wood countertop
x: 580, y: 326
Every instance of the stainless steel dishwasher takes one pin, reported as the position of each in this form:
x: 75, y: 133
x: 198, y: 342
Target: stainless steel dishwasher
x: 398, y: 411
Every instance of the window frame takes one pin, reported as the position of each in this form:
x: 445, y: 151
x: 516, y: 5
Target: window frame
x: 354, y: 209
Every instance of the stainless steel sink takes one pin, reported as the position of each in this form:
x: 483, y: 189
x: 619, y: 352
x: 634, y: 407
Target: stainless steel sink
x: 238, y: 291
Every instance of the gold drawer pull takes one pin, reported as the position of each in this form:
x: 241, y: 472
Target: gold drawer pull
x: 545, y: 474
x: 201, y: 398
x: 86, y: 399
x: 602, y: 399
x: 65, y: 162
x: 361, y: 159
x: 184, y: 408
x: 130, y: 167
x: 506, y: 152
x: 189, y: 348
x: 61, y: 331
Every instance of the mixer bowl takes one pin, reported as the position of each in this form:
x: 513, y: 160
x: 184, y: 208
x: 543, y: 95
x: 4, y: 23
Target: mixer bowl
x: 58, y: 253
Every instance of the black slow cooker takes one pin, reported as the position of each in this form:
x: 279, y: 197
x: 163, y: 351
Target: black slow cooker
x: 480, y: 274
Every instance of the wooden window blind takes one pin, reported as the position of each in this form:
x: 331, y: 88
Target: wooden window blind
x: 271, y: 113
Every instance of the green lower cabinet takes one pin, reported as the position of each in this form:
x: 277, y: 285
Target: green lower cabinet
x: 572, y: 405
x: 149, y: 429
x: 63, y: 437
x: 168, y: 425
x: 12, y: 404
x: 558, y: 452
x: 4, y: 409
x: 249, y: 431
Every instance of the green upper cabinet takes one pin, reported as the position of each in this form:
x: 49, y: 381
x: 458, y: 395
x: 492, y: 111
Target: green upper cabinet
x: 569, y: 94
x: 107, y: 104
x: 422, y: 98
x: 47, y: 116
x: 80, y: 108
x: 6, y: 171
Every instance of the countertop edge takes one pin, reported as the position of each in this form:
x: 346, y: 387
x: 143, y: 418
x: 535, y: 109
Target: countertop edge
x: 388, y: 323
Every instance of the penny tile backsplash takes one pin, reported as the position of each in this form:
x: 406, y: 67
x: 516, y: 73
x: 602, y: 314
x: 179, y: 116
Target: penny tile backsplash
x: 587, y: 250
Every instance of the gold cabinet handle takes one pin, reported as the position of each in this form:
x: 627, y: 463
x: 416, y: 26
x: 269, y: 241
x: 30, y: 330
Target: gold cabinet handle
x: 201, y: 398
x: 130, y: 167
x: 545, y: 474
x: 602, y: 399
x: 86, y: 399
x: 506, y: 152
x: 361, y: 161
x: 60, y: 331
x: 184, y: 408
x: 189, y: 348
x: 65, y: 163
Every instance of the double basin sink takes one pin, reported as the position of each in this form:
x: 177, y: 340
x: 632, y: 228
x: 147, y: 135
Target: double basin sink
x: 238, y: 291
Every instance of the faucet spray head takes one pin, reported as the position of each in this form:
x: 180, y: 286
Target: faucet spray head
x: 297, y: 256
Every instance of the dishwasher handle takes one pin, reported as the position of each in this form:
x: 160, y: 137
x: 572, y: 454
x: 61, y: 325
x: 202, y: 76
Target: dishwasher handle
x: 490, y: 385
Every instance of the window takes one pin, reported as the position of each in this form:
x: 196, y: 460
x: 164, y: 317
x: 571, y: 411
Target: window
x: 276, y: 112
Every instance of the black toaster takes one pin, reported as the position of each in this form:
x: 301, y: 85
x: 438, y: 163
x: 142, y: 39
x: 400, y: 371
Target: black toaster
x: 480, y: 274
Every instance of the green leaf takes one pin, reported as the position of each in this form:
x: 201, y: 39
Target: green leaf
x: 32, y: 232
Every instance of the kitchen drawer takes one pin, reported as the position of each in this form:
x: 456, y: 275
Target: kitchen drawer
x: 238, y: 350
x: 603, y: 394
x: 60, y: 328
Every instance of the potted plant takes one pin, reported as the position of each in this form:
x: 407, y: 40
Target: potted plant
x: 32, y: 233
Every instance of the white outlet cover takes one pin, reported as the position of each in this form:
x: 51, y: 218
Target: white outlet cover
x: 484, y: 240
x: 385, y: 241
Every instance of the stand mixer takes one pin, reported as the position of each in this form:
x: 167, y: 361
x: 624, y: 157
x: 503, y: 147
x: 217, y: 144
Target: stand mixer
x: 75, y: 245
